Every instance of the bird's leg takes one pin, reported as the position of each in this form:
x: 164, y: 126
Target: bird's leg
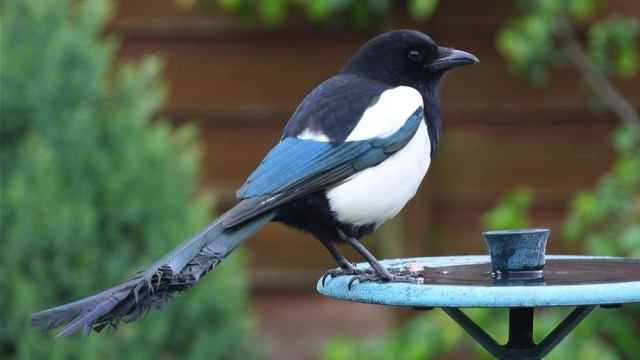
x: 379, y: 273
x: 346, y: 267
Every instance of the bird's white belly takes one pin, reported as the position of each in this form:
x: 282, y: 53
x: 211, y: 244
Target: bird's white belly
x: 375, y: 195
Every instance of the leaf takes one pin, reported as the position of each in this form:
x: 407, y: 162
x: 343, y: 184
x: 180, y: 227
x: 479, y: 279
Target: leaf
x: 422, y: 9
x: 273, y: 11
x: 511, y: 212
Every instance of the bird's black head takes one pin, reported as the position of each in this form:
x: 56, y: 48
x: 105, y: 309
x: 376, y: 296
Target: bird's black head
x: 410, y: 58
x: 406, y: 57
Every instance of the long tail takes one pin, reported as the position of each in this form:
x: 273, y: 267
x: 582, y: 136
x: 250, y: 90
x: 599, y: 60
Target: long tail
x: 152, y: 288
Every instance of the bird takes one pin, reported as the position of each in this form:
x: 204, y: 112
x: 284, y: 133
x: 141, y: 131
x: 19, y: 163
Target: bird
x: 352, y: 154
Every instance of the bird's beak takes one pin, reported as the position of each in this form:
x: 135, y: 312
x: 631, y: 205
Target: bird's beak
x: 450, y: 58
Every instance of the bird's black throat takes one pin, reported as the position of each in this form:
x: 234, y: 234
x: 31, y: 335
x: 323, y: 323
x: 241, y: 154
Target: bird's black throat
x: 432, y: 115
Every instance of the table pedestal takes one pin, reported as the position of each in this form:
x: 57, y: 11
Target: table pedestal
x: 520, y: 344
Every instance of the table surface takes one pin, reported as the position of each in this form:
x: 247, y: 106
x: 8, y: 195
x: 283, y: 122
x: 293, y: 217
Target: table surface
x: 592, y: 281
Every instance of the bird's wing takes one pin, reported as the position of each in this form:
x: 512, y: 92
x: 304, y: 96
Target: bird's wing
x: 297, y: 167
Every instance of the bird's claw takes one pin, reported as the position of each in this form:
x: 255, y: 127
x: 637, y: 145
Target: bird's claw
x: 351, y: 270
x: 413, y: 278
x: 369, y: 275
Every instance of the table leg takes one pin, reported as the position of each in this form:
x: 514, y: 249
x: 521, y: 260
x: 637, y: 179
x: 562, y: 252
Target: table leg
x: 563, y: 329
x: 475, y: 331
x: 520, y: 344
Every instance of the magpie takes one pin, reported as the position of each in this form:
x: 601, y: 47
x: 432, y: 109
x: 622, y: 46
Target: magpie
x: 351, y: 156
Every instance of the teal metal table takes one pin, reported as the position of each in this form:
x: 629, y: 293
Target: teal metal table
x: 456, y: 282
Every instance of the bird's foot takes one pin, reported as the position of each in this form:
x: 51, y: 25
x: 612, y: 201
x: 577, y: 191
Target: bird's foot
x: 370, y: 274
x: 413, y: 278
x: 347, y: 269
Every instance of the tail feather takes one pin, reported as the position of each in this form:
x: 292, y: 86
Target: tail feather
x: 152, y: 288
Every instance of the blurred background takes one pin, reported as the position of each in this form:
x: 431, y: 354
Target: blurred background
x: 127, y: 125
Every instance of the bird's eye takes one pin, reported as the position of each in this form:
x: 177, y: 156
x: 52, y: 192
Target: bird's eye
x: 415, y: 55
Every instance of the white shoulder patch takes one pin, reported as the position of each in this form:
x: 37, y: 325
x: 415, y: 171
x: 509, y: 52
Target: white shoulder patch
x: 387, y: 115
x: 313, y: 135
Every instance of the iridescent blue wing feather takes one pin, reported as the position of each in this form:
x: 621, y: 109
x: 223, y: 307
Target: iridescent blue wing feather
x: 297, y: 167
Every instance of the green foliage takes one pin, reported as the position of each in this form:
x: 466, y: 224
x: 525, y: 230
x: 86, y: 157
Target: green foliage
x: 511, y: 212
x: 424, y: 337
x: 93, y: 189
x: 362, y: 13
x: 540, y: 36
x: 607, y: 218
x: 528, y: 46
x: 613, y: 45
x: 422, y: 9
x: 604, y: 335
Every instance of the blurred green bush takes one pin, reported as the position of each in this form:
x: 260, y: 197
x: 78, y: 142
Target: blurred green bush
x: 93, y: 188
x: 333, y: 13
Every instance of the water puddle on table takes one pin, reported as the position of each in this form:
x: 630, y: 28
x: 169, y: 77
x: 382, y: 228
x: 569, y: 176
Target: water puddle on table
x: 556, y: 272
